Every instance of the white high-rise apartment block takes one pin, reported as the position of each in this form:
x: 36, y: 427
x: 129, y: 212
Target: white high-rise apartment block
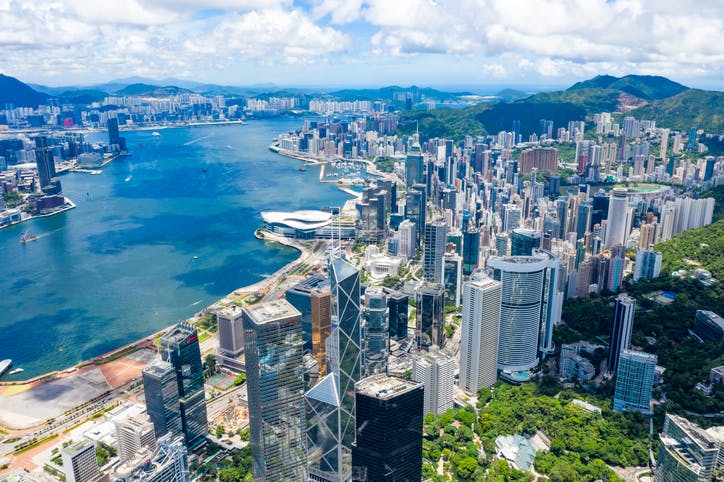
x: 79, y: 462
x: 407, y: 230
x: 617, y: 223
x: 134, y: 431
x: 480, y: 329
x: 436, y: 371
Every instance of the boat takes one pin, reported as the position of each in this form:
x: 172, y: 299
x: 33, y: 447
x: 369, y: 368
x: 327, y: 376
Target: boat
x: 155, y: 134
x: 24, y: 238
x: 16, y: 371
x: 204, y: 170
x: 303, y: 167
x: 4, y: 365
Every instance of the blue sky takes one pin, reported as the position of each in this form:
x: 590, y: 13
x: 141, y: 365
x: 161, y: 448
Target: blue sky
x: 335, y: 43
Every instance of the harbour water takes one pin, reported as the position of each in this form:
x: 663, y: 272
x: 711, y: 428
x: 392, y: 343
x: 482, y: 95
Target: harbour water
x: 154, y: 239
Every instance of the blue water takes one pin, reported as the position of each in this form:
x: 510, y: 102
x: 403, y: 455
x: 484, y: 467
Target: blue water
x: 122, y: 264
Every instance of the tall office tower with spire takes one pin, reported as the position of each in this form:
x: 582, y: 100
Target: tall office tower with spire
x: 274, y: 348
x: 617, y: 222
x: 531, y: 306
x: 435, y: 241
x: 389, y: 430
x: 330, y: 405
x: 480, y: 331
x: 623, y: 318
x: 377, y: 332
x: 180, y: 347
x: 414, y: 170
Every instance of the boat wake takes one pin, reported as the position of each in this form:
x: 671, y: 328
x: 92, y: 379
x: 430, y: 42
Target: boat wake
x: 130, y: 176
x: 193, y: 141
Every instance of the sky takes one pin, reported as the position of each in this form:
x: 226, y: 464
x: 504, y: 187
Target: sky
x: 357, y: 43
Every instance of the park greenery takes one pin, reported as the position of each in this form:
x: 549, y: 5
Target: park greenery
x: 583, y: 445
x: 702, y: 247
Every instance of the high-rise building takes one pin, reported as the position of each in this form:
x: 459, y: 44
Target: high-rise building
x: 471, y: 251
x: 511, y: 217
x: 398, y: 306
x: 523, y: 241
x: 415, y: 210
x: 648, y: 264
x: 79, y: 462
x: 414, y: 170
x: 344, y: 352
x: 167, y: 463
x: 377, y: 334
x: 687, y: 452
x: 162, y: 398
x: 708, y: 326
x: 647, y: 235
x: 44, y: 161
x: 430, y: 303
x: 114, y: 136
x: 133, y: 433
x: 435, y: 241
x: 408, y: 236
x: 327, y: 457
x: 634, y: 381
x: 273, y: 347
x: 436, y: 371
x: 531, y: 306
x: 480, y: 331
x: 389, y: 430
x: 623, y: 318
x: 321, y: 325
x: 180, y: 347
x: 300, y: 296
x: 231, y: 335
x: 452, y: 278
x: 617, y: 222
x: 502, y: 242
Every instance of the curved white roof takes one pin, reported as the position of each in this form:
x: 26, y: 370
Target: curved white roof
x: 298, y: 219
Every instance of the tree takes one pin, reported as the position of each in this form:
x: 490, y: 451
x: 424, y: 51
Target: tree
x: 466, y: 467
x: 210, y: 363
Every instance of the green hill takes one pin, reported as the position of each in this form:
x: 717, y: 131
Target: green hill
x: 704, y: 246
x: 12, y: 91
x: 147, y: 89
x: 647, y: 87
x: 84, y: 96
x: 701, y: 108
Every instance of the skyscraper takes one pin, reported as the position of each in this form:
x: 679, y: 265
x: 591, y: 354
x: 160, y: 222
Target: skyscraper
x: 231, y: 332
x: 408, y: 238
x: 321, y: 325
x: 133, y: 432
x: 623, y: 317
x: 435, y: 241
x: 480, y: 331
x: 167, y: 463
x: 377, y: 334
x: 114, y: 136
x: 389, y: 430
x: 79, y: 462
x: 300, y: 296
x: 523, y: 241
x: 162, y: 398
x: 687, y: 452
x: 430, y: 301
x: 180, y: 347
x: 397, y: 304
x: 273, y: 347
x: 531, y: 306
x: 345, y: 349
x: 634, y: 381
x: 415, y: 210
x: 414, y: 173
x: 617, y: 222
x: 471, y: 251
x: 648, y: 264
x: 452, y: 278
x: 436, y: 371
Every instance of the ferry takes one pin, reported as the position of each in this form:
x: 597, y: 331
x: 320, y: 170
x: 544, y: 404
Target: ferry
x: 16, y: 371
x: 155, y: 134
x: 4, y: 365
x: 24, y: 238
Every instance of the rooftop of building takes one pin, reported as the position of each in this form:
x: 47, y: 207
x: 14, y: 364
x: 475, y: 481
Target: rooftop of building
x: 158, y: 368
x: 179, y: 333
x: 434, y: 355
x: 316, y: 281
x: 78, y: 447
x: 384, y: 387
x: 232, y: 311
x: 703, y: 438
x: 271, y: 311
x: 641, y: 355
x: 303, y: 220
x: 713, y: 317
